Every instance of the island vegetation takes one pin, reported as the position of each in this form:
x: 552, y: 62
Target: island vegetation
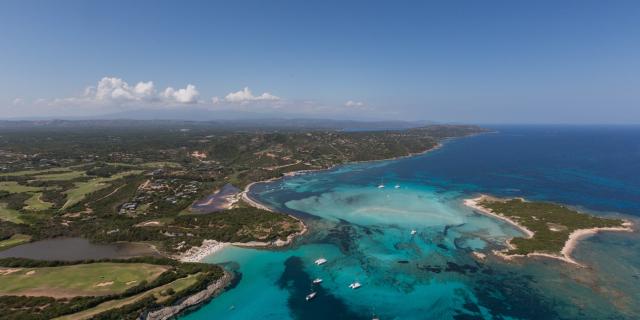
x: 550, y: 229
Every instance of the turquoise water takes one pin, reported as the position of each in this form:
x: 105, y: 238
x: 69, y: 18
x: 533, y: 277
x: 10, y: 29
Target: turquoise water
x: 365, y: 234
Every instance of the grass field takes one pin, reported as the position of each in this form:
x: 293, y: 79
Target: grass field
x: 32, y: 172
x: 82, y: 189
x: 14, y: 187
x: 35, y: 203
x: 77, y: 280
x: 10, y: 215
x: 149, y: 165
x: 177, y: 286
x: 61, y: 176
x: 15, y: 240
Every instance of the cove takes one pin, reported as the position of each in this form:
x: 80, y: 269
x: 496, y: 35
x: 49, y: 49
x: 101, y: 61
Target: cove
x: 365, y: 234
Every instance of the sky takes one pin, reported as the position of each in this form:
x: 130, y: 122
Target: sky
x: 447, y: 61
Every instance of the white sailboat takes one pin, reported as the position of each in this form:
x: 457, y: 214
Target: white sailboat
x: 413, y: 231
x: 381, y: 185
x: 310, y: 296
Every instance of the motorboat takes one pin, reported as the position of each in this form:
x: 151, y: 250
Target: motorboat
x: 355, y: 285
x: 320, y: 261
x: 310, y: 296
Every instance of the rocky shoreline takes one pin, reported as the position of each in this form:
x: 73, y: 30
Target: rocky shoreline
x: 192, y: 301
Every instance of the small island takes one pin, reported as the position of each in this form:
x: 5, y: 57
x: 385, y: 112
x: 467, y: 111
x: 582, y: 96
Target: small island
x: 552, y: 230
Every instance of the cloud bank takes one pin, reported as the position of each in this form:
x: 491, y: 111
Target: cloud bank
x: 245, y: 96
x: 111, y: 90
x: 352, y: 103
x: 113, y: 94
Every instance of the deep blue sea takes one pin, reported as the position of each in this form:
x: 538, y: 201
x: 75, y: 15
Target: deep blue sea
x: 365, y: 234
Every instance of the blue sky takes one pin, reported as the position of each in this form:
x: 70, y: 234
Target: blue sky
x: 452, y: 61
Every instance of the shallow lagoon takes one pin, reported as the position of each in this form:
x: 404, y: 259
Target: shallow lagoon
x: 364, y: 232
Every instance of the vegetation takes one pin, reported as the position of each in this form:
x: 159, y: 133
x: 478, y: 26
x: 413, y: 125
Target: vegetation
x: 105, y: 183
x: 14, y: 240
x: 93, y: 279
x: 551, y: 223
x: 135, y: 183
x: 159, y: 282
x: 8, y: 214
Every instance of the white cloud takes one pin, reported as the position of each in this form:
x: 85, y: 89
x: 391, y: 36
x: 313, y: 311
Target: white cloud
x: 111, y: 88
x: 112, y: 91
x: 187, y: 95
x: 245, y: 95
x: 352, y: 103
x: 18, y: 101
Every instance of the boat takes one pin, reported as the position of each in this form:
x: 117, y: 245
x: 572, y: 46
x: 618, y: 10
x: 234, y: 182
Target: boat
x: 381, y: 185
x: 355, y: 285
x: 397, y: 186
x: 310, y: 296
x: 320, y: 261
x: 413, y: 232
x: 317, y: 281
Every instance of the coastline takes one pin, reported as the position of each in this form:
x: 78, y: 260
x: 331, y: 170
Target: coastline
x: 569, y: 245
x: 193, y: 301
x: 210, y: 247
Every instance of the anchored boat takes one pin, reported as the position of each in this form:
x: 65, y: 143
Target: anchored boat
x: 355, y: 285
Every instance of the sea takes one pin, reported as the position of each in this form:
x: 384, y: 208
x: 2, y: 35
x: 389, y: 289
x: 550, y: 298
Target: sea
x: 365, y: 234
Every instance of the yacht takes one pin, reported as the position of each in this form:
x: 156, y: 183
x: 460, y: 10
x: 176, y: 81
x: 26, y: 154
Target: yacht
x: 320, y: 261
x: 317, y: 281
x: 413, y: 232
x: 397, y: 186
x: 310, y: 296
x: 355, y: 285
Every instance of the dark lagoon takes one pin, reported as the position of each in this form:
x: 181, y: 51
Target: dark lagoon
x: 69, y: 249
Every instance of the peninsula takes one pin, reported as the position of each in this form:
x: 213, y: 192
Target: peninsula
x: 551, y: 230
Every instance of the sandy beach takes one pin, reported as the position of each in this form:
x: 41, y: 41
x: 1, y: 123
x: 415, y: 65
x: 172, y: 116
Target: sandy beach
x: 474, y: 204
x: 569, y: 246
x: 197, y: 254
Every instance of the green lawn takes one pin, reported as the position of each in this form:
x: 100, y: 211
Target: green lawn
x: 32, y: 172
x: 10, y: 215
x: 35, y: 203
x: 15, y: 240
x: 78, y: 280
x: 61, y: 176
x: 149, y: 165
x: 177, y: 286
x: 82, y: 189
x: 14, y: 187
